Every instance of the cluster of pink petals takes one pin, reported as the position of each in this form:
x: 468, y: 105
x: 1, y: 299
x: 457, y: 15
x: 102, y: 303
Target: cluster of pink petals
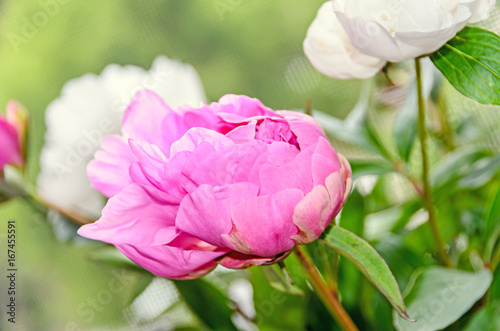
x: 10, y: 146
x: 233, y: 183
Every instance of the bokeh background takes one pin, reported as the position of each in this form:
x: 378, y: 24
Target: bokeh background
x: 242, y: 47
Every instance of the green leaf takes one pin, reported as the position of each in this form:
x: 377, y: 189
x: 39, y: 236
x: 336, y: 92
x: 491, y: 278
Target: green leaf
x: 471, y: 63
x: 481, y: 173
x: 486, y: 319
x: 377, y: 167
x: 142, y: 283
x: 276, y: 310
x: 279, y: 282
x: 494, y: 293
x: 437, y: 297
x: 492, y: 222
x: 369, y: 262
x: 405, y: 126
x: 455, y: 165
x: 207, y: 302
x: 113, y: 257
x: 355, y: 129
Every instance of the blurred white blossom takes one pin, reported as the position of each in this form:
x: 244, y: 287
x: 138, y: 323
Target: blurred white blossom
x: 91, y: 107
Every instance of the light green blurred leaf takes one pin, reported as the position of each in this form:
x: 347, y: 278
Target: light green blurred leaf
x: 279, y: 282
x: 486, y: 319
x: 455, y: 165
x: 207, y: 302
x: 377, y: 167
x: 355, y: 129
x: 369, y: 262
x: 437, y: 297
x: 471, y: 63
x: 142, y: 283
x: 113, y: 257
x: 481, y: 173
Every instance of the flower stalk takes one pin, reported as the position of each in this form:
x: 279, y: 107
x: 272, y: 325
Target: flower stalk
x: 427, y: 191
x: 325, y: 294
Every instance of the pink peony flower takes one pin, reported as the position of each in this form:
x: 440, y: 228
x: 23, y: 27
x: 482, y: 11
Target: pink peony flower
x: 232, y: 182
x: 11, y: 131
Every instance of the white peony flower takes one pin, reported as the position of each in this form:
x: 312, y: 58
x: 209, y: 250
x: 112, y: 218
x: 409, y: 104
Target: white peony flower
x: 330, y: 51
x: 91, y: 107
x: 481, y: 10
x: 398, y: 30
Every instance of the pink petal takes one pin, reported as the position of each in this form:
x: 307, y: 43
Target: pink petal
x: 109, y: 171
x: 149, y: 168
x: 206, y: 213
x: 263, y: 225
x: 144, y: 118
x: 347, y: 174
x: 313, y: 214
x: 10, y: 152
x: 195, y: 136
x: 242, y: 134
x: 138, y: 216
x: 236, y: 260
x: 172, y: 262
x: 237, y: 108
x: 324, y: 161
x: 305, y: 128
x: 294, y: 174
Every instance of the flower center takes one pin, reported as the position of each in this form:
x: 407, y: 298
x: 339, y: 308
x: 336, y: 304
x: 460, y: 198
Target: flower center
x: 271, y: 130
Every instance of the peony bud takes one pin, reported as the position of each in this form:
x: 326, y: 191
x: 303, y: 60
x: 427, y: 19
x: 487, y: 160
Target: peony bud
x: 12, y: 132
x: 232, y: 182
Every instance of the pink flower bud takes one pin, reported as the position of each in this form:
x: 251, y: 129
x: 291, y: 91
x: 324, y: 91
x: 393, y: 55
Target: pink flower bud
x: 12, y: 135
x: 232, y: 182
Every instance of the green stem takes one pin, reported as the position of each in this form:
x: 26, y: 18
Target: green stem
x: 427, y: 194
x: 328, y: 297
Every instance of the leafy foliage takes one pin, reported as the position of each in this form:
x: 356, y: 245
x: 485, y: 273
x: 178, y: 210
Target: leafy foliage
x: 470, y: 63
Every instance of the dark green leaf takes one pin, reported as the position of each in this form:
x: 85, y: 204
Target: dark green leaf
x: 369, y: 262
x: 437, y: 297
x: 494, y: 293
x: 279, y: 282
x: 276, y: 310
x: 492, y: 222
x: 471, y: 63
x: 353, y: 220
x: 207, y: 302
